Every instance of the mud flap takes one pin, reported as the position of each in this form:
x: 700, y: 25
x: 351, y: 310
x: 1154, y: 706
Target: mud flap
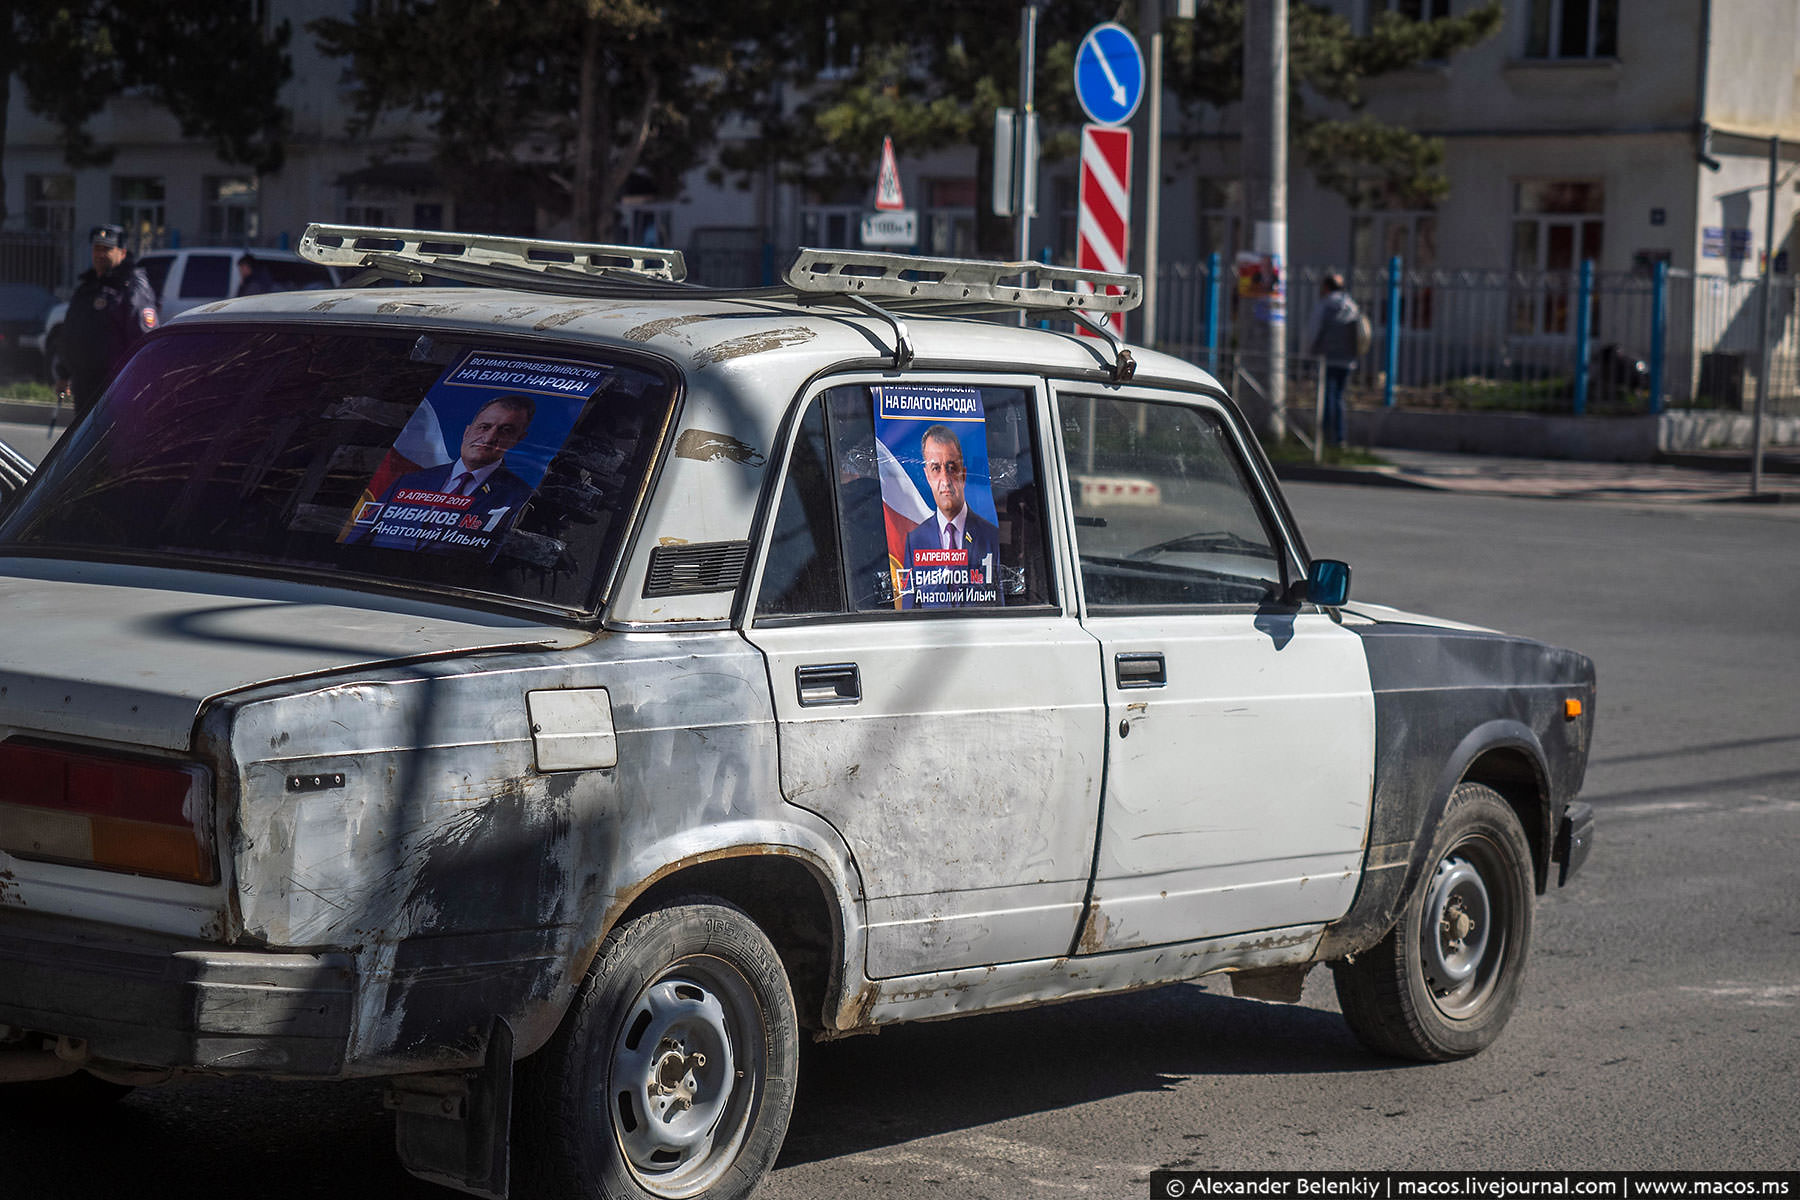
x: 454, y: 1128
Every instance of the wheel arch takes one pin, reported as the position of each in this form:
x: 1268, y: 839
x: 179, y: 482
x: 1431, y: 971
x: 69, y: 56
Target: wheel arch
x: 1502, y: 754
x: 786, y: 893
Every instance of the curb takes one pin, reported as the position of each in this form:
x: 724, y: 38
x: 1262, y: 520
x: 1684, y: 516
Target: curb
x: 27, y: 412
x: 1367, y: 476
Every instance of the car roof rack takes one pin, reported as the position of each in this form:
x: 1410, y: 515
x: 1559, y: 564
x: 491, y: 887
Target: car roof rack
x: 918, y: 282
x: 409, y: 254
x: 903, y: 283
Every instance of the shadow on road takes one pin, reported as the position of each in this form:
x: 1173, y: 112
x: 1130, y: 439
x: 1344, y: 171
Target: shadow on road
x: 915, y: 1081
x: 227, y: 1139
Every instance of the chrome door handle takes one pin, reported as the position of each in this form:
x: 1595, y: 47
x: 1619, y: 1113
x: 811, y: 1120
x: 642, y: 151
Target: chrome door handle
x: 828, y: 683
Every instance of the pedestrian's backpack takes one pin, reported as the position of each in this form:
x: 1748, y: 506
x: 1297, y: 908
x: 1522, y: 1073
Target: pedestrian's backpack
x: 1365, y: 336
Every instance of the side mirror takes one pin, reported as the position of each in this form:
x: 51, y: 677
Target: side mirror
x: 1328, y: 582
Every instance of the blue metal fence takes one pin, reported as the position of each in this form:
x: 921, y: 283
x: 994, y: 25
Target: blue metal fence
x: 1584, y: 341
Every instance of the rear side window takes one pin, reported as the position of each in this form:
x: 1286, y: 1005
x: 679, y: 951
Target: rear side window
x: 913, y: 497
x: 206, y: 277
x: 387, y: 457
x: 156, y: 269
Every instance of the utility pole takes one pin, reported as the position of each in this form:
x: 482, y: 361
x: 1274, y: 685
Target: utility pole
x: 1264, y: 168
x: 1764, y: 341
x: 1146, y: 184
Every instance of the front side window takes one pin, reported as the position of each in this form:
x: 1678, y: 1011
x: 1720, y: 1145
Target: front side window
x: 1165, y: 512
x: 351, y: 457
x: 910, y: 497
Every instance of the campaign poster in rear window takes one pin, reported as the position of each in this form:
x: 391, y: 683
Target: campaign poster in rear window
x: 471, y: 455
x: 943, y: 535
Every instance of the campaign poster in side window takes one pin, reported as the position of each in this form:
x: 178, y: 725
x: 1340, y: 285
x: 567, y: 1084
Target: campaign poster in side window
x: 471, y: 455
x: 943, y: 535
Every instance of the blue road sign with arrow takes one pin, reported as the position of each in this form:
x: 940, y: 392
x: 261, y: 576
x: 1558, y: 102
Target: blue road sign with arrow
x: 1109, y: 74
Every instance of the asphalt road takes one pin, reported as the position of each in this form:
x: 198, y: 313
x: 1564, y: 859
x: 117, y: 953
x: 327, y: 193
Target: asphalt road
x: 1660, y: 1026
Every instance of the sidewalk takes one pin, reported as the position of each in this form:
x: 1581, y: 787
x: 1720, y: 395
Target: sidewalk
x: 1722, y: 477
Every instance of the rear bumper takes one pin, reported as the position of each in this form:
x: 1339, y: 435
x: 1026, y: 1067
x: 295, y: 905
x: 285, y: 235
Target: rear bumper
x: 1574, y: 839
x: 156, y: 1003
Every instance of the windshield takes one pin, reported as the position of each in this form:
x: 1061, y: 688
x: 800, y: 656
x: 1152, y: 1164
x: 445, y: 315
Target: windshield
x: 467, y: 465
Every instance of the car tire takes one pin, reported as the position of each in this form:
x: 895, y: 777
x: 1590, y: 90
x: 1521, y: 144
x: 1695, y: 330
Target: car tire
x: 672, y: 1074
x: 1443, y: 982
x: 62, y: 1098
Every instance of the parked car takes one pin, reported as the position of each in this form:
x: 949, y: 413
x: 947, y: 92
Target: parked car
x: 567, y: 691
x: 190, y: 276
x: 22, y: 310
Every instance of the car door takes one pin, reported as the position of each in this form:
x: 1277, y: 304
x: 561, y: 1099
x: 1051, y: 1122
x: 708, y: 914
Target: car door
x: 1240, y: 728
x: 938, y: 706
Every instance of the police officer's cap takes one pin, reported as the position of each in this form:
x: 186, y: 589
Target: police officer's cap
x: 108, y: 235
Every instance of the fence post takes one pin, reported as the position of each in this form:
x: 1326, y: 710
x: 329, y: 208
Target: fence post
x: 1583, y: 331
x: 1393, y: 332
x: 1659, y: 324
x: 1212, y: 313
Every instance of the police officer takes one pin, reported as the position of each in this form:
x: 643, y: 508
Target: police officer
x: 112, y: 309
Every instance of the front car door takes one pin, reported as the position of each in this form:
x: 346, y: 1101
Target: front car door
x: 937, y: 704
x: 1240, y: 728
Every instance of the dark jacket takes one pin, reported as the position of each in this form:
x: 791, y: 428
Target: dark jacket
x: 108, y: 315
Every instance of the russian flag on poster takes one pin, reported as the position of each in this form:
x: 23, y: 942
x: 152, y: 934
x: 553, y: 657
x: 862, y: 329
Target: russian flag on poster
x: 901, y: 504
x: 419, y: 445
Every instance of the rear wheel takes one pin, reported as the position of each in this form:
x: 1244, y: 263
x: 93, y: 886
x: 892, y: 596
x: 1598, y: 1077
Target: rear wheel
x: 1443, y: 982
x: 673, y: 1075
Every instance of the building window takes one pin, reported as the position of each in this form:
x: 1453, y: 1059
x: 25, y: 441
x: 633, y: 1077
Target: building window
x: 1414, y: 10
x: 230, y: 214
x: 138, y: 199
x: 831, y: 226
x: 949, y: 218
x: 647, y: 224
x: 1377, y: 238
x: 50, y: 203
x: 380, y: 216
x: 1573, y: 29
x: 1557, y: 225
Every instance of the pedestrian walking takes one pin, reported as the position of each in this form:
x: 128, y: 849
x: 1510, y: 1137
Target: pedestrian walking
x: 112, y: 309
x: 1338, y: 335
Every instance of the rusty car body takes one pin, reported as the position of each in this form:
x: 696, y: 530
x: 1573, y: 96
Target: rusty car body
x: 307, y: 771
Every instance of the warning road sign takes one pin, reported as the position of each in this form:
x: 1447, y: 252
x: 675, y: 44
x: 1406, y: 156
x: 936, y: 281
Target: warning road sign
x: 887, y: 183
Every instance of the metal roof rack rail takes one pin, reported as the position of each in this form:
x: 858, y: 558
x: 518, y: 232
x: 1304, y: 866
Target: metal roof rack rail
x: 419, y: 251
x: 960, y: 284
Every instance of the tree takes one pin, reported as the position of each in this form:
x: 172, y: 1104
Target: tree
x: 573, y: 100
x: 1362, y: 159
x: 211, y: 65
x: 929, y: 74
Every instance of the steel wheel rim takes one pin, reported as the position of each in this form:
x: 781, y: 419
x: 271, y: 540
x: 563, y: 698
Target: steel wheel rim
x: 686, y: 1075
x: 1463, y: 929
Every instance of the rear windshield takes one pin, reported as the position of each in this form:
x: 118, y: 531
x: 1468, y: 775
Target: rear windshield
x: 476, y: 466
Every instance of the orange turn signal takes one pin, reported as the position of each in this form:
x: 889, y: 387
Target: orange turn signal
x: 1571, y: 708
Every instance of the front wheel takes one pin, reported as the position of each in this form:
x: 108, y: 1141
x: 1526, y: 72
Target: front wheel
x: 1443, y: 982
x: 672, y: 1077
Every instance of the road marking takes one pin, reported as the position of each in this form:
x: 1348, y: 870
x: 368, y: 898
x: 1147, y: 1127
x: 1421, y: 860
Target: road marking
x: 1780, y: 995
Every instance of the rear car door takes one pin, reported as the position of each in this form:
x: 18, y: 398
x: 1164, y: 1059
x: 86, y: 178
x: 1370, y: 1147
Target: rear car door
x: 938, y: 706
x: 1240, y: 728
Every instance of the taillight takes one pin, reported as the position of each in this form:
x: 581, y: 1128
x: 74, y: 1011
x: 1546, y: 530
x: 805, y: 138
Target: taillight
x: 104, y: 810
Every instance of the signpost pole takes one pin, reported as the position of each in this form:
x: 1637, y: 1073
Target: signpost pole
x: 1025, y: 158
